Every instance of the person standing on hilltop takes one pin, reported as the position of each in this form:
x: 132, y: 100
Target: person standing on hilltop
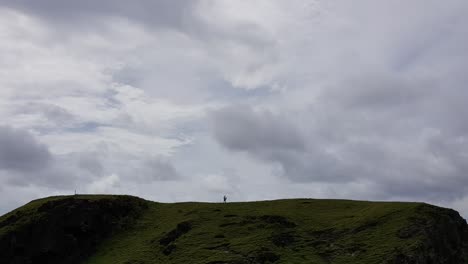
x: 225, y: 198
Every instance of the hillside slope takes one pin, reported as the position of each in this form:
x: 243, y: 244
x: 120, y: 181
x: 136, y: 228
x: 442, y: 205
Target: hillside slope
x: 130, y: 230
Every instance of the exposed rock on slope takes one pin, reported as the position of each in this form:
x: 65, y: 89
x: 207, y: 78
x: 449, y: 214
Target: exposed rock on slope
x: 64, y: 230
x: 444, y: 237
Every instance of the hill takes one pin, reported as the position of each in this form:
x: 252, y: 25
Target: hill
x: 95, y: 229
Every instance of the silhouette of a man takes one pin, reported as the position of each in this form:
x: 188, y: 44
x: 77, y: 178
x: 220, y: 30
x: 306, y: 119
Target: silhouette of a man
x: 225, y: 198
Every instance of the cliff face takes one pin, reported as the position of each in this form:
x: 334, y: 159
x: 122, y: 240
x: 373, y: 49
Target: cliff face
x: 443, y: 237
x: 129, y: 230
x: 64, y: 230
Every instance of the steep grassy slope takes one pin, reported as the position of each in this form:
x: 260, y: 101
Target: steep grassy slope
x: 283, y: 231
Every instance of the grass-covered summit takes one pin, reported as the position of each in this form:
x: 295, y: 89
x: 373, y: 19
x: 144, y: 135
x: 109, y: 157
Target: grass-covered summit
x: 129, y: 230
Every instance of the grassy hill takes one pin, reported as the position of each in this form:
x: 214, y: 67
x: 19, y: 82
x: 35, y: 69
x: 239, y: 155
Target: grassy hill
x: 130, y: 230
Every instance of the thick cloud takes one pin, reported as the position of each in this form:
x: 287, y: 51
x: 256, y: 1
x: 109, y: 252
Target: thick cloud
x: 24, y: 162
x: 275, y: 138
x: 90, y: 162
x: 158, y: 169
x: 185, y: 100
x: 391, y: 145
x: 240, y: 128
x: 155, y: 13
x: 20, y: 151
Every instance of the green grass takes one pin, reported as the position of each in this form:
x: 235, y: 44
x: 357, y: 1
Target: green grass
x: 326, y: 231
x: 283, y: 231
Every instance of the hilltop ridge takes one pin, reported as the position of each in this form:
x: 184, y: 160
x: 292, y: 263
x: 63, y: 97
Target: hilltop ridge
x: 96, y: 229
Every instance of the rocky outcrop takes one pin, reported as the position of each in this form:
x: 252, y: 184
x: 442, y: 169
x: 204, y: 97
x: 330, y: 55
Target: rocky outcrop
x: 65, y: 230
x: 443, y: 234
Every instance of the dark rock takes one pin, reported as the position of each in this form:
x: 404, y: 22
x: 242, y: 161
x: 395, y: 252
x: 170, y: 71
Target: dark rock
x: 66, y: 230
x: 230, y: 215
x: 276, y: 219
x: 265, y: 256
x: 168, y: 250
x: 171, y: 236
x: 366, y: 226
x: 444, y: 238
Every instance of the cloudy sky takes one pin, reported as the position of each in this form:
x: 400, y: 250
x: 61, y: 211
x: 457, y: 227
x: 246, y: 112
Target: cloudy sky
x: 191, y: 100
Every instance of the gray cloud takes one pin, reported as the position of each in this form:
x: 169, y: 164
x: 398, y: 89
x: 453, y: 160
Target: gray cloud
x: 155, y: 13
x: 24, y: 162
x: 379, y: 91
x: 384, y: 131
x: 240, y: 128
x: 20, y: 151
x: 90, y: 162
x: 49, y: 115
x: 337, y: 99
x: 158, y: 169
x: 275, y: 138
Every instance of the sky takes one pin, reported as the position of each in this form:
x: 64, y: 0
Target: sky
x: 191, y: 100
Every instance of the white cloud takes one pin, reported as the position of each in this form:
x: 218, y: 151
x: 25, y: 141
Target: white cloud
x: 350, y: 100
x: 106, y: 184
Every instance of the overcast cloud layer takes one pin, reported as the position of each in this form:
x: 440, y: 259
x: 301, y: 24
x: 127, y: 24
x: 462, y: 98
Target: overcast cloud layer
x: 191, y: 100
